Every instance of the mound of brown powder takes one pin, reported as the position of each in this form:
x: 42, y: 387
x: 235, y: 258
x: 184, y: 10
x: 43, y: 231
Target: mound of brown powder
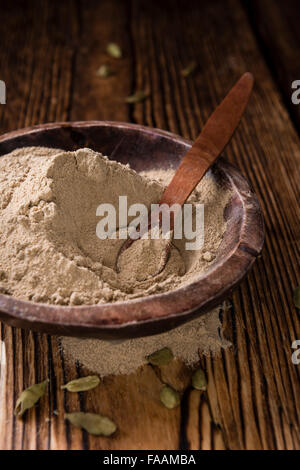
x: 203, y: 335
x: 49, y: 250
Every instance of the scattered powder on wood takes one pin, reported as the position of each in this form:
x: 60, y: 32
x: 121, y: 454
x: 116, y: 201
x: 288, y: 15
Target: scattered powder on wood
x: 203, y: 335
x: 49, y: 250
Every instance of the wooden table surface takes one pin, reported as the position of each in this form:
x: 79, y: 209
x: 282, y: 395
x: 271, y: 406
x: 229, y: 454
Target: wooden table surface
x: 50, y: 52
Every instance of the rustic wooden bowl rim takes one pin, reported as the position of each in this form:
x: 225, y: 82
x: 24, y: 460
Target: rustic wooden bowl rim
x: 155, y: 313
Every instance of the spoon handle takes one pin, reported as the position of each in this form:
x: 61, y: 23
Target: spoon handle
x: 215, y: 135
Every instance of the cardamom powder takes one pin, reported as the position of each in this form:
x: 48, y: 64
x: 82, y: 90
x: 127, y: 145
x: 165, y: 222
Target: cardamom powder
x: 49, y: 249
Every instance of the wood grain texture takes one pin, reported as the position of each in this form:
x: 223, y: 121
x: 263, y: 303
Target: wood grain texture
x: 49, y: 58
x: 277, y: 28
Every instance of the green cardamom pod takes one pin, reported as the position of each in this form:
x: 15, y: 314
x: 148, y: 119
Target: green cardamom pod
x: 199, y: 380
x: 191, y: 67
x: 114, y: 50
x: 297, y: 297
x: 103, y: 71
x: 161, y: 357
x: 137, y: 97
x: 169, y: 397
x: 82, y: 384
x: 29, y: 397
x: 92, y: 423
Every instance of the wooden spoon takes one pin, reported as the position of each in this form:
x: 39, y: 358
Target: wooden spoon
x: 208, y: 146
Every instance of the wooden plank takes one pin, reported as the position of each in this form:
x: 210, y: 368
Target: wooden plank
x: 253, y: 393
x: 277, y: 27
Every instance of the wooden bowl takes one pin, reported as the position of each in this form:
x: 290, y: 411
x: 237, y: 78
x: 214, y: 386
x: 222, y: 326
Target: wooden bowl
x: 144, y: 148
